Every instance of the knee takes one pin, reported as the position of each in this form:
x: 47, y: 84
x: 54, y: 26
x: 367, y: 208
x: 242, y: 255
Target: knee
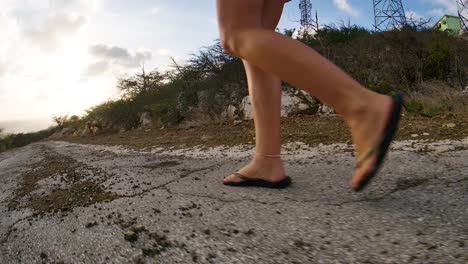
x: 231, y: 42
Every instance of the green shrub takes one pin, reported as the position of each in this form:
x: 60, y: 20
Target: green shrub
x: 22, y: 139
x: 414, y: 106
x: 120, y: 113
x: 384, y: 62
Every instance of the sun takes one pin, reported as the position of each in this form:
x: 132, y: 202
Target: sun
x: 71, y: 92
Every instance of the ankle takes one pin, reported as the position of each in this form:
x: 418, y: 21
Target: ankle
x: 267, y: 161
x: 363, y: 109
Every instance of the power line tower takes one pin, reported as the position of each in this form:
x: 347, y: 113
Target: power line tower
x: 307, y: 21
x: 388, y: 14
x: 463, y: 14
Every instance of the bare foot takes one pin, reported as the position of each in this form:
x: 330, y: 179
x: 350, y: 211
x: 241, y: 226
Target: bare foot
x: 265, y: 168
x: 367, y: 129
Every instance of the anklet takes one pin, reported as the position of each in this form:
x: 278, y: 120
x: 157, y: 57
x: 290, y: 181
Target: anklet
x: 271, y: 156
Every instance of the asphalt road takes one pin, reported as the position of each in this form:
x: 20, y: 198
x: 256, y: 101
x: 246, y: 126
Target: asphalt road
x: 71, y: 203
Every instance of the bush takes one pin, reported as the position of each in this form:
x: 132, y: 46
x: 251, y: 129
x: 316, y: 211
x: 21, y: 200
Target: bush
x: 385, y: 62
x: 23, y: 139
x: 394, y: 60
x: 120, y: 113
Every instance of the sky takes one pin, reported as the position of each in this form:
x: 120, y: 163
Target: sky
x: 63, y: 56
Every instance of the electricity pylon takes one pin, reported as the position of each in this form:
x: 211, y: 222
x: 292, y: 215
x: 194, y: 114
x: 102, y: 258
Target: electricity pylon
x: 306, y: 15
x: 463, y: 14
x: 388, y: 14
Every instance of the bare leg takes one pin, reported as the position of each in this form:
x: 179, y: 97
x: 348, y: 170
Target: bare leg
x: 364, y: 111
x: 265, y: 96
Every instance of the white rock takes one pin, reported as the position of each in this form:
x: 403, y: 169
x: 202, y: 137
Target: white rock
x: 246, y: 108
x: 145, y: 120
x: 326, y: 110
x: 303, y: 106
x: 308, y: 97
x: 414, y: 135
x: 229, y: 113
x: 290, y: 104
x: 449, y: 125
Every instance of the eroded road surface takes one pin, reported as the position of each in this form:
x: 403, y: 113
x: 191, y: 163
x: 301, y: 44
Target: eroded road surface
x: 69, y: 203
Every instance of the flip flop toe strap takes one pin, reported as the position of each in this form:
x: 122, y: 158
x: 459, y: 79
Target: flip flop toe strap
x: 245, y: 178
x: 364, y: 157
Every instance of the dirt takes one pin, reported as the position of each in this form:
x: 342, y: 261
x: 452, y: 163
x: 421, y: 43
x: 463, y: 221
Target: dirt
x: 72, y: 187
x: 310, y: 129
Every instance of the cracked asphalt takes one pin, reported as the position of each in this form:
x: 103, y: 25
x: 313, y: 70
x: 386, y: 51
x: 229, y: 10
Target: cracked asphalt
x: 70, y: 203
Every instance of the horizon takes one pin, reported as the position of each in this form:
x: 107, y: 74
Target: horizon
x: 25, y: 126
x: 62, y: 57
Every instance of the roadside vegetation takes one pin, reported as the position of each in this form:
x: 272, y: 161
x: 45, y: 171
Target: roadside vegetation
x: 10, y: 141
x: 430, y: 66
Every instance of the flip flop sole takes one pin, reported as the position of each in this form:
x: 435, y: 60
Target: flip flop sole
x: 261, y: 183
x: 390, y: 131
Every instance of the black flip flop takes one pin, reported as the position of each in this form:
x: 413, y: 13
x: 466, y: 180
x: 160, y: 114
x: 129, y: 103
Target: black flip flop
x: 253, y: 182
x: 384, y: 145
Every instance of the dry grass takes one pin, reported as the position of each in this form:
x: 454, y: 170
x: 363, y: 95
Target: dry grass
x: 437, y: 98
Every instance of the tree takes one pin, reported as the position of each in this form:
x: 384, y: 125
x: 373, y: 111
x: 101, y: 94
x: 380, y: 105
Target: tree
x: 140, y: 83
x: 60, y: 121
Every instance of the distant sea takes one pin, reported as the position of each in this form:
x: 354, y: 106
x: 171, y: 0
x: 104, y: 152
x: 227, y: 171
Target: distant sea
x: 25, y: 126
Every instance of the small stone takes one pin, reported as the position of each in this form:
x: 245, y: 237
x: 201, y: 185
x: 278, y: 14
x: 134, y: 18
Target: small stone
x: 206, y: 137
x: 237, y: 122
x: 138, y: 228
x: 414, y: 135
x: 130, y: 236
x: 91, y: 224
x: 450, y: 125
x: 425, y: 134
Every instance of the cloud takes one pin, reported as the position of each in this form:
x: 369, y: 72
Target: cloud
x: 3, y: 69
x: 437, y: 12
x: 120, y: 56
x: 414, y: 15
x: 96, y: 68
x: 163, y: 52
x: 344, y: 6
x: 75, y: 5
x: 154, y: 10
x: 449, y: 6
x: 49, y: 35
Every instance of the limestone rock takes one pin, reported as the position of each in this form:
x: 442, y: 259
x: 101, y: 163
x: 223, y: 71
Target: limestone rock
x: 326, y: 110
x: 145, y: 120
x: 230, y: 113
x: 291, y: 104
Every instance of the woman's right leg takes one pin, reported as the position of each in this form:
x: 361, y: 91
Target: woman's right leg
x: 265, y: 96
x: 364, y: 111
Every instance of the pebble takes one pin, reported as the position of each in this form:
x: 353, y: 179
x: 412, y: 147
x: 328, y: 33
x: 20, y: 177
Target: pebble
x: 130, y: 236
x: 450, y: 125
x: 138, y: 228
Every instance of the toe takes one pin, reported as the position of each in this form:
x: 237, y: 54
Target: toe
x: 361, y: 172
x: 230, y: 178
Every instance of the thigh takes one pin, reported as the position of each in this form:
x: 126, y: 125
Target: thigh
x: 272, y: 10
x: 235, y: 15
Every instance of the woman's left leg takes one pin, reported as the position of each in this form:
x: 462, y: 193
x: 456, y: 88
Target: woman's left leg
x: 265, y: 97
